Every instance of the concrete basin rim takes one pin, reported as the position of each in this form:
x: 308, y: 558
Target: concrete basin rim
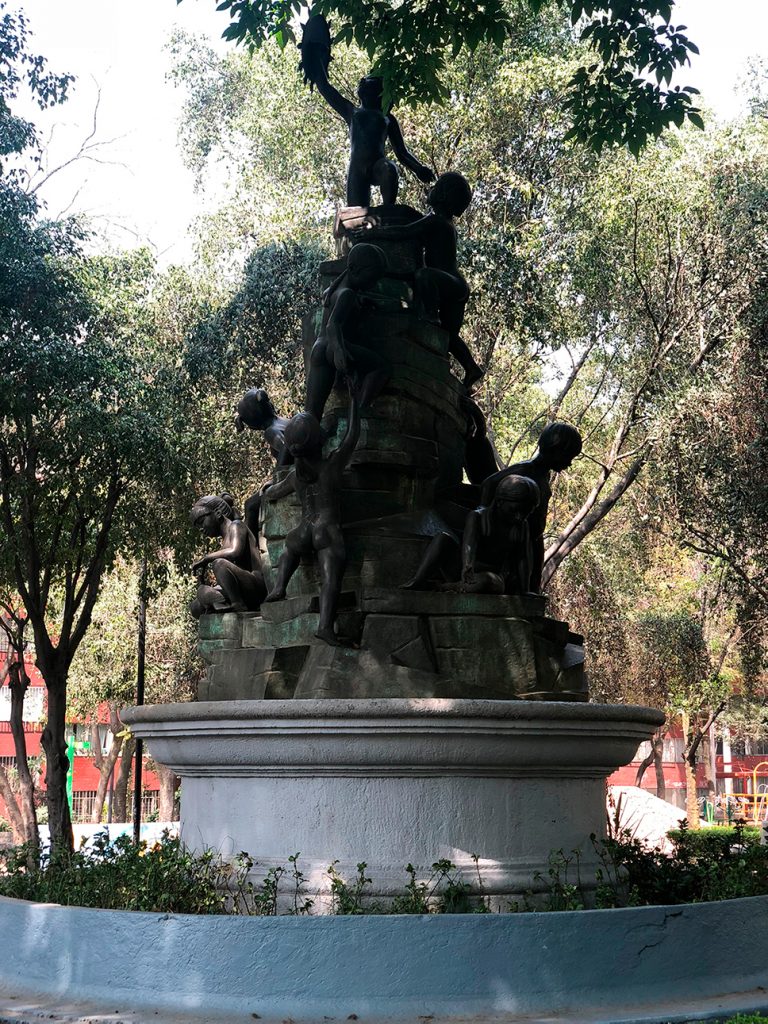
x: 330, y: 921
x: 421, y: 709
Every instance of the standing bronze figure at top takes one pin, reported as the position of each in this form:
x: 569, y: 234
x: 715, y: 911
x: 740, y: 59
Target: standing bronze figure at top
x: 369, y: 125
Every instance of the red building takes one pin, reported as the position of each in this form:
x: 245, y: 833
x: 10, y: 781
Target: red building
x: 84, y: 775
x: 739, y: 769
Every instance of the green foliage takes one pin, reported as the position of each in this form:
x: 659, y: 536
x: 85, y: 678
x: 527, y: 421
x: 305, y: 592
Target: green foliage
x: 163, y: 877
x: 5, y: 826
x: 21, y: 69
x: 348, y: 897
x: 562, y: 890
x: 104, y: 668
x: 612, y: 100
x: 728, y: 867
x: 715, y: 838
x: 166, y: 877
x: 444, y: 892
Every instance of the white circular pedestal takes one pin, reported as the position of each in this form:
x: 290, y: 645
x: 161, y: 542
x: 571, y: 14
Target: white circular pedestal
x: 393, y: 782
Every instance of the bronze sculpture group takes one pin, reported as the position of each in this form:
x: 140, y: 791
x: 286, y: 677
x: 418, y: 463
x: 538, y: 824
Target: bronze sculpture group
x: 499, y: 548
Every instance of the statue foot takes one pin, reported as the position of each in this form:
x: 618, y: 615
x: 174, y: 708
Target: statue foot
x: 413, y: 584
x: 274, y: 595
x: 330, y: 637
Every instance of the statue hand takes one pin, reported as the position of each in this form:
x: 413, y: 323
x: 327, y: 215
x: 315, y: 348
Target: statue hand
x: 365, y: 233
x: 425, y: 174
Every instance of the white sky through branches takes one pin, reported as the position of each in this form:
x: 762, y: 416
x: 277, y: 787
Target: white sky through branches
x: 137, y: 190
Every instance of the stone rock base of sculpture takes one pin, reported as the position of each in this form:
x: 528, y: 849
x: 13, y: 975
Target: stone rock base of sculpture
x: 399, y: 643
x: 393, y: 782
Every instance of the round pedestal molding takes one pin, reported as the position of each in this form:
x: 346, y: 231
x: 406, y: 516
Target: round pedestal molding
x: 392, y: 782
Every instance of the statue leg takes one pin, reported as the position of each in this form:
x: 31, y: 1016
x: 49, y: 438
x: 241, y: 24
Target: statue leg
x: 537, y: 564
x: 251, y: 512
x: 453, y: 294
x: 319, y: 379
x: 243, y: 589
x: 427, y: 294
x: 440, y: 556
x: 295, y: 544
x: 358, y: 185
x: 372, y: 370
x: 386, y: 177
x: 332, y: 560
x: 207, y: 599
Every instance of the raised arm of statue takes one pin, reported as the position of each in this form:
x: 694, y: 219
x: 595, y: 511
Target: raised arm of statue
x: 333, y: 97
x: 315, y: 56
x: 233, y: 548
x: 404, y: 155
x: 283, y: 487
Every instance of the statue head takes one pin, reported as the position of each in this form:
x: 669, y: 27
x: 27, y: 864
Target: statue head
x: 450, y: 194
x: 254, y: 410
x: 370, y: 91
x: 304, y: 436
x: 365, y: 265
x: 516, y: 497
x: 559, y: 444
x: 210, y: 511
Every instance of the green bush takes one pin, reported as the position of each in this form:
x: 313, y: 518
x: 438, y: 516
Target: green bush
x: 166, y: 877
x: 728, y: 866
x: 5, y: 826
x: 121, y: 876
x: 716, y: 837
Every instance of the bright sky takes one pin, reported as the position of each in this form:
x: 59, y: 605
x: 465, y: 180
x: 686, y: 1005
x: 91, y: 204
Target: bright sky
x: 144, y: 193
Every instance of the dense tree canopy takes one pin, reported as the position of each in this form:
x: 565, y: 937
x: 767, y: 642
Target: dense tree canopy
x: 620, y: 94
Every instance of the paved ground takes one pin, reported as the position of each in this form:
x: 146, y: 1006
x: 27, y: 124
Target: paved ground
x: 21, y: 1010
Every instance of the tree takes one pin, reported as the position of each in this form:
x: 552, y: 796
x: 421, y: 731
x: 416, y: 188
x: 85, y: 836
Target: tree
x: 622, y: 95
x: 13, y: 622
x: 604, y: 291
x: 103, y: 674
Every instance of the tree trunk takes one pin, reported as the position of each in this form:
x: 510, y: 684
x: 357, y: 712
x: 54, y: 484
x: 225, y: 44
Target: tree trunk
x: 57, y: 765
x: 655, y: 757
x: 658, y: 765
x: 709, y: 765
x: 14, y: 814
x: 106, y: 767
x: 689, y: 762
x: 167, y: 794
x: 120, y: 796
x: 105, y: 763
x: 18, y: 682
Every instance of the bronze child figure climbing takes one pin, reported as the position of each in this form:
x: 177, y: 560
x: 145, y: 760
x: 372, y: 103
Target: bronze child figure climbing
x: 316, y: 479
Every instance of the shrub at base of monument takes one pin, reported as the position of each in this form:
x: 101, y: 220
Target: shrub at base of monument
x: 166, y: 877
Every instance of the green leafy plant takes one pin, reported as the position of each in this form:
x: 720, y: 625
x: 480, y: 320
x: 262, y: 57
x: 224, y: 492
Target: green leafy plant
x: 119, y: 875
x: 444, y: 892
x: 301, y: 905
x: 562, y: 892
x: 347, y: 897
x: 622, y: 95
